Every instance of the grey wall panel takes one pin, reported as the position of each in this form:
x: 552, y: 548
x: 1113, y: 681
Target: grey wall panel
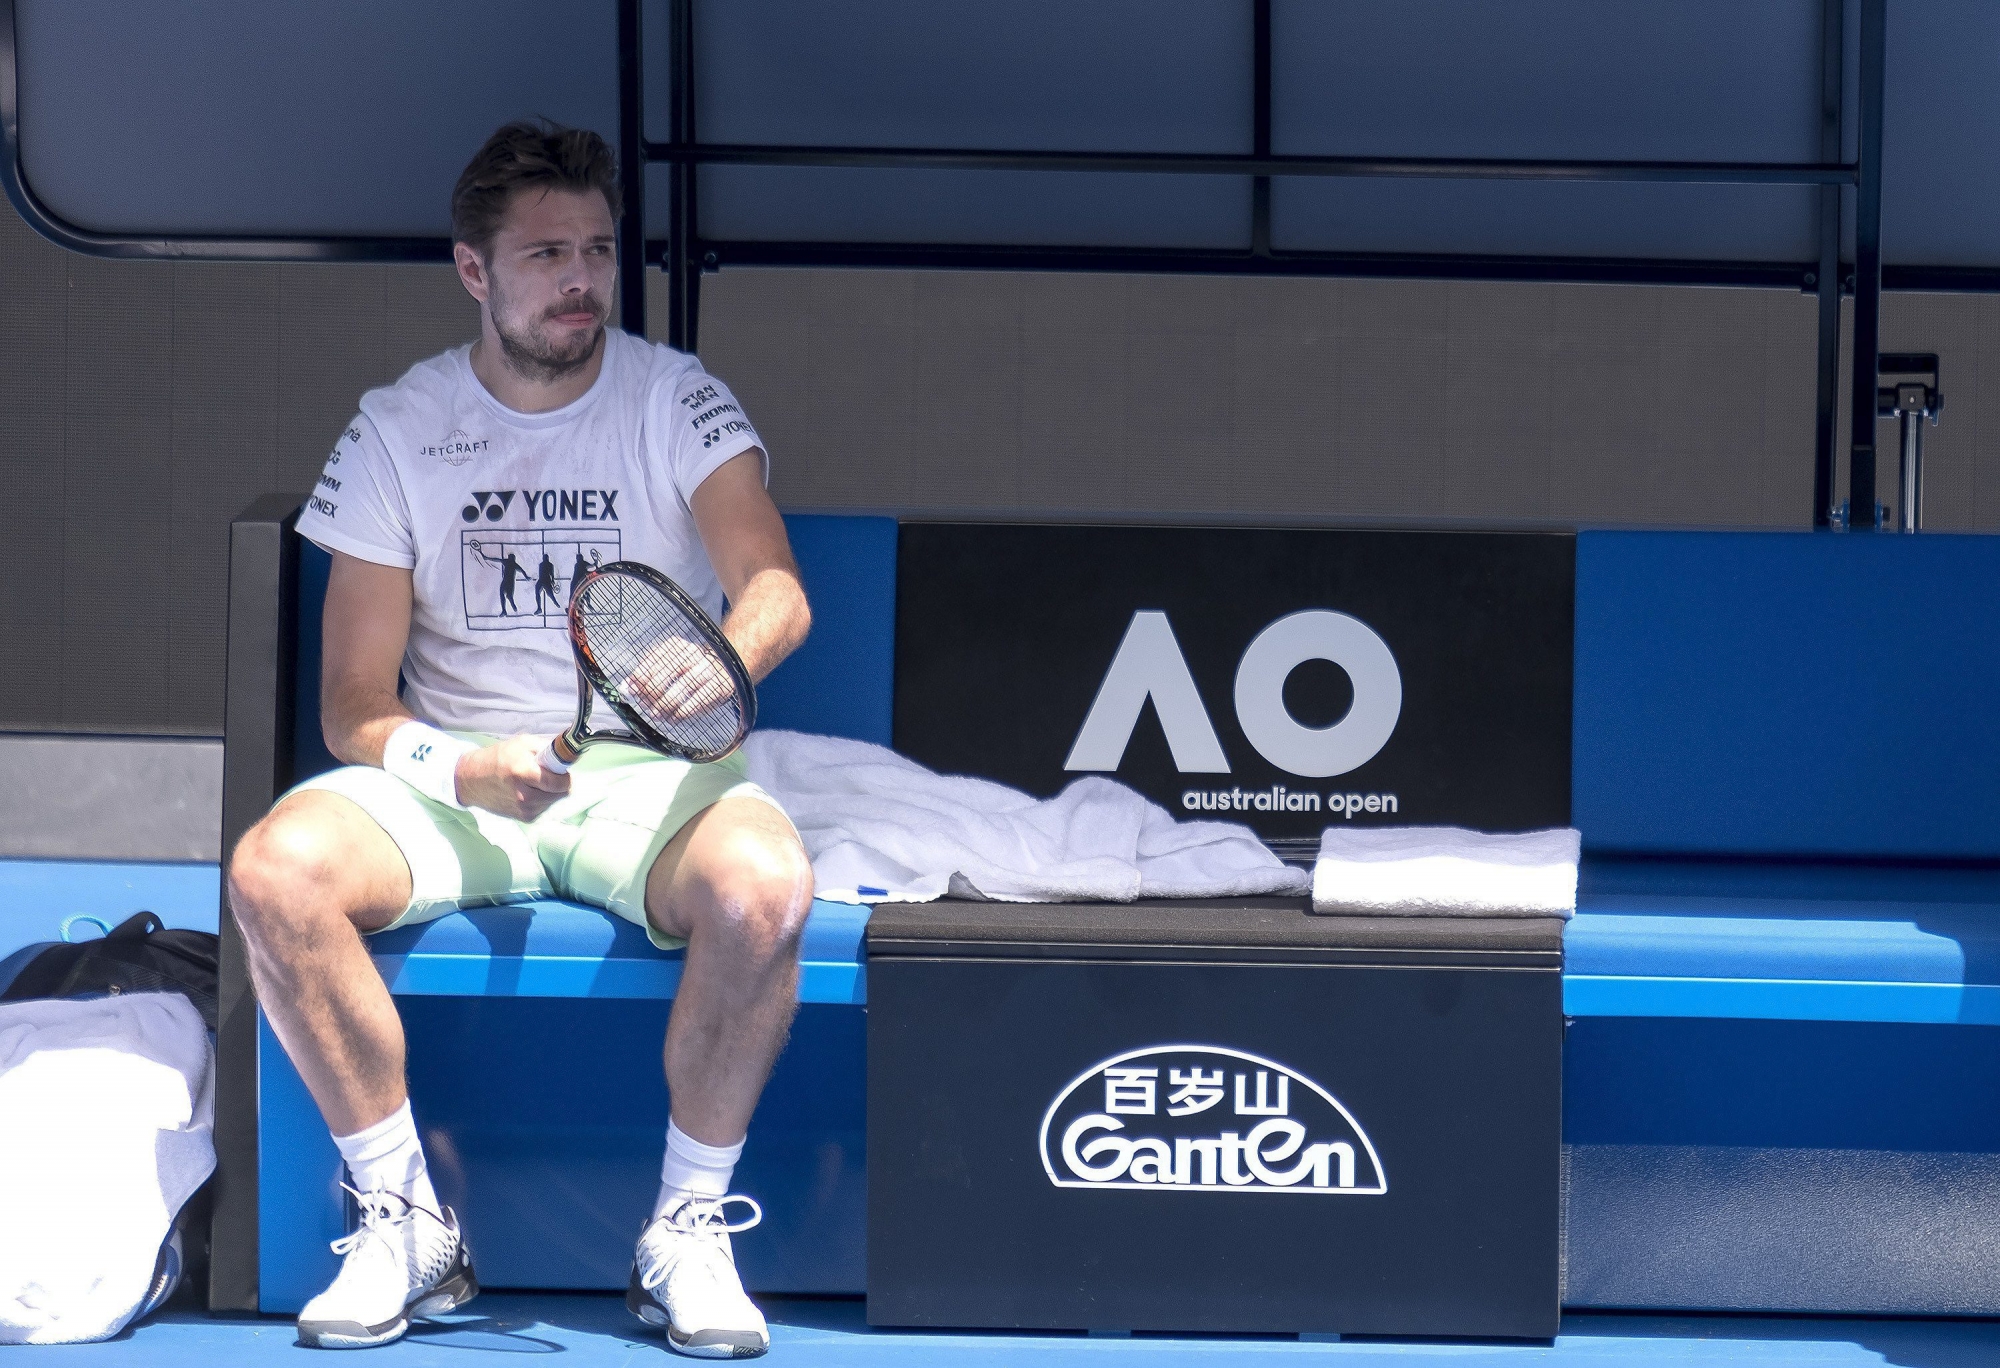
x: 1522, y: 218
x: 34, y: 415
x: 142, y: 405
x: 1047, y: 208
x: 1695, y: 80
x: 110, y: 798
x: 245, y: 117
x: 1705, y: 80
x: 1258, y: 399
x: 1110, y: 75
x: 118, y: 469
x: 1941, y: 134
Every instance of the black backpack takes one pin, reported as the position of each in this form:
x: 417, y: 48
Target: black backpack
x: 139, y: 955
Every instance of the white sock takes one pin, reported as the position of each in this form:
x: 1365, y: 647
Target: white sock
x: 692, y: 1169
x: 389, y: 1156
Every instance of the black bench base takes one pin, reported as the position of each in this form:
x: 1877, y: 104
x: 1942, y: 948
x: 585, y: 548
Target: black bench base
x: 1207, y: 1116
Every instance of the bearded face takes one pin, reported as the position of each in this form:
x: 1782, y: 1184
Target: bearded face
x: 546, y: 279
x: 546, y: 342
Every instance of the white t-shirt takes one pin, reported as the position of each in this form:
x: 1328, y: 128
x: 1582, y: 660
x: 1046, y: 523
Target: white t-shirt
x: 496, y: 512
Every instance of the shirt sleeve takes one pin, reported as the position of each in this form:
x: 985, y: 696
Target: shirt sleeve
x: 358, y: 505
x: 704, y: 426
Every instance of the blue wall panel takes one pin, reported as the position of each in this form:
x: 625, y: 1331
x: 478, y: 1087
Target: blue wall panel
x: 1788, y: 694
x: 841, y: 681
x: 1808, y: 1166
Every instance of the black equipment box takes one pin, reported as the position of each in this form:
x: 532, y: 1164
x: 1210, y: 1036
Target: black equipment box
x: 1213, y: 1116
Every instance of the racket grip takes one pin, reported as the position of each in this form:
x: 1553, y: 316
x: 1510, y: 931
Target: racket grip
x: 551, y: 761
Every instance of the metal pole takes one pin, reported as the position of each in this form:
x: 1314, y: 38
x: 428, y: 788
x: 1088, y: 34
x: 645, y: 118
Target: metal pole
x: 683, y: 272
x: 1911, y: 496
x: 1832, y: 62
x: 1867, y: 274
x: 1260, y: 123
x: 631, y: 170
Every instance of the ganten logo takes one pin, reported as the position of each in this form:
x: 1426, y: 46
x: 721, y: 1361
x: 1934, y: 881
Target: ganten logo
x: 1201, y: 1118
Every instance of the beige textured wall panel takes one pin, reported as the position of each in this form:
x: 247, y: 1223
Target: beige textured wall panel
x: 34, y: 358
x: 142, y: 405
x: 1259, y: 398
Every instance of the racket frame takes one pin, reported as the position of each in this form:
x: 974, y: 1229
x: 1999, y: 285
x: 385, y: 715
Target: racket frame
x: 592, y: 682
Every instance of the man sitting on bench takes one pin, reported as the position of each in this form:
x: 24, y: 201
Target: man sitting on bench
x: 550, y: 441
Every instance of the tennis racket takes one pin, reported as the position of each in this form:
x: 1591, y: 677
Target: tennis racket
x: 667, y: 671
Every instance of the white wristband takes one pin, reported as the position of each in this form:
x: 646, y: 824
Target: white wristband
x: 427, y: 760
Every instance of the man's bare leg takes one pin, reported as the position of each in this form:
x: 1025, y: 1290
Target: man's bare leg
x: 736, y: 884
x: 304, y: 884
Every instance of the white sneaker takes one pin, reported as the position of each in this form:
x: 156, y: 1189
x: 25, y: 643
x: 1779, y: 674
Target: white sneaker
x: 405, y: 1262
x: 684, y: 1279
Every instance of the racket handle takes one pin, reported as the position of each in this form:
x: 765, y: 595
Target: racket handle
x: 551, y: 761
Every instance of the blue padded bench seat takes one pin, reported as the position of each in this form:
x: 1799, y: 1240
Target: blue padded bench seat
x: 1800, y: 942
x: 1650, y: 939
x: 551, y: 948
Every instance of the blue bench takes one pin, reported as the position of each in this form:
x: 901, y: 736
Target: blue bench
x: 1753, y: 945
x: 1786, y: 768
x: 557, y: 1010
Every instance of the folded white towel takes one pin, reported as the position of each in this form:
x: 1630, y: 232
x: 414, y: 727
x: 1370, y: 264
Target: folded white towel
x: 107, y: 1115
x: 882, y: 828
x: 1446, y: 871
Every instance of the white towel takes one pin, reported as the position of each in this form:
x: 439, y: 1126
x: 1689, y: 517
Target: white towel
x: 882, y: 828
x: 1445, y: 872
x: 107, y: 1115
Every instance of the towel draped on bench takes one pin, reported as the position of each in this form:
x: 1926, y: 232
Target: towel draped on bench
x: 881, y: 828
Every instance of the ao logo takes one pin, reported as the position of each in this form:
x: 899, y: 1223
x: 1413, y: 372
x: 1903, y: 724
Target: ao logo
x: 1149, y: 664
x: 1201, y: 1118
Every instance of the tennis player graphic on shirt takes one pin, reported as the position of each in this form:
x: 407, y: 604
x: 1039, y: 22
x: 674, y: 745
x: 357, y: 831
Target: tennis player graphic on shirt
x: 545, y: 587
x: 593, y: 439
x: 510, y: 570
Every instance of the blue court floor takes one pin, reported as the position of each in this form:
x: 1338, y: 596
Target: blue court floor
x: 594, y: 1330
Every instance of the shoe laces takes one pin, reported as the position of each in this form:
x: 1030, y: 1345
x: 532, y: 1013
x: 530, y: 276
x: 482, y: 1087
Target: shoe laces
x: 381, y: 1210
x: 703, y: 1219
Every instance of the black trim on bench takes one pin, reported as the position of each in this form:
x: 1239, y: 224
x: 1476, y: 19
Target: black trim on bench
x: 256, y: 768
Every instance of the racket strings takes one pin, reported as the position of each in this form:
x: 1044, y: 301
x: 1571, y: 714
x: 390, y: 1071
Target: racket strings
x: 659, y: 662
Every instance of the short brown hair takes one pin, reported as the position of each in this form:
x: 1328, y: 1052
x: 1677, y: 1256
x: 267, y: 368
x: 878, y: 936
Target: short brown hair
x: 521, y: 155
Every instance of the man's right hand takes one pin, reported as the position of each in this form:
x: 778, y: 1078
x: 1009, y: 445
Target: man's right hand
x: 507, y: 778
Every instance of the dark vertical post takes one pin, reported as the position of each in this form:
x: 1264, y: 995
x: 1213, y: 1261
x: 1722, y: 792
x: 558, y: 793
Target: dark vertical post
x: 631, y: 169
x: 1867, y: 273
x: 683, y: 271
x: 1260, y: 85
x: 1832, y: 69
x: 258, y: 701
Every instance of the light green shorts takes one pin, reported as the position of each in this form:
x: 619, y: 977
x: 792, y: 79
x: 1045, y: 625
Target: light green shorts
x: 596, y: 845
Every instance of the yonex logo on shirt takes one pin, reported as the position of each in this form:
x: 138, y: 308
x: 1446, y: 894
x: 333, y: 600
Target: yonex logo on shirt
x: 717, y: 433
x: 544, y: 505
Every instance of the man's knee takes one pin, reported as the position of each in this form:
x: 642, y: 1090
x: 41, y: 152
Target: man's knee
x: 291, y: 868
x: 760, y: 889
